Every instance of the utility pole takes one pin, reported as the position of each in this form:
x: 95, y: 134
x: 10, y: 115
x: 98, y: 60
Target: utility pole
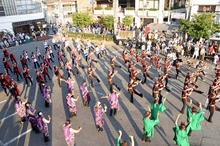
x: 115, y: 9
x: 168, y: 19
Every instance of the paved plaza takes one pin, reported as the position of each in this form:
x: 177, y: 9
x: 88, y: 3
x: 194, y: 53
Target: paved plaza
x: 128, y: 119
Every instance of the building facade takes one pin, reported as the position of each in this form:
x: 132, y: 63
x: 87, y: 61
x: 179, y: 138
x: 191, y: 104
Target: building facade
x: 21, y: 15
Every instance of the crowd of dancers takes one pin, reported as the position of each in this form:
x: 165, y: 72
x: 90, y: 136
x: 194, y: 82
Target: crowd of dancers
x: 132, y: 57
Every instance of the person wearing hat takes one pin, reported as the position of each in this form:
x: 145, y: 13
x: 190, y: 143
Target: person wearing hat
x: 149, y: 126
x: 46, y: 93
x: 69, y: 133
x: 124, y: 143
x: 196, y: 116
x: 99, y: 118
x: 85, y: 94
x: 155, y: 108
x: 30, y: 112
x: 181, y: 132
x: 43, y: 125
x: 110, y: 80
x: 113, y: 100
x: 112, y: 64
x: 20, y: 108
x: 71, y: 104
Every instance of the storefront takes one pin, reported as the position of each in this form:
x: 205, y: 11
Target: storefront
x: 28, y: 26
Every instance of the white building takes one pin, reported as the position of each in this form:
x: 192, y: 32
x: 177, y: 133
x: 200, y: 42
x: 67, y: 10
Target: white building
x: 21, y: 15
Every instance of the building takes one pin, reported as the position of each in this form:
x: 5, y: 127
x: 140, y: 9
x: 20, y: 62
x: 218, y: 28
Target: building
x: 144, y: 11
x: 60, y: 10
x: 21, y: 15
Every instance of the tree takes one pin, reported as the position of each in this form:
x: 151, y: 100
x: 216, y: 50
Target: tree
x: 108, y: 22
x: 82, y: 19
x: 200, y: 26
x: 128, y: 20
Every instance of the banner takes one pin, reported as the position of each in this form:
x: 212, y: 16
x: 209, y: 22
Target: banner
x: 178, y: 15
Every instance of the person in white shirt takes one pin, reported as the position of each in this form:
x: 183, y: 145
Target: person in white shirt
x: 86, y: 53
x: 202, y: 53
x: 97, y: 51
x: 103, y: 49
x: 34, y: 60
x: 55, y: 43
x: 148, y: 45
x: 196, y: 52
x: 143, y: 46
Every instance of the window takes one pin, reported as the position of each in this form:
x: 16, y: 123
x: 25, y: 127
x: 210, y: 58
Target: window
x: 206, y: 8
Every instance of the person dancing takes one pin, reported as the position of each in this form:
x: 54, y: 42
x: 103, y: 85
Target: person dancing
x: 99, y: 118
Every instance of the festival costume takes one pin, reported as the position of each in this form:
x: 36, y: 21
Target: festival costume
x: 99, y: 118
x: 85, y: 94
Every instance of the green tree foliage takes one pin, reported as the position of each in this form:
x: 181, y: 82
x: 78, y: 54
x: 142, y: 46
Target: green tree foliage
x: 128, y: 20
x: 108, y: 22
x: 200, y: 26
x: 82, y: 19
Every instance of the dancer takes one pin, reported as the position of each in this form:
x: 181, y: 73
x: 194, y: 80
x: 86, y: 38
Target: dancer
x: 40, y: 80
x: 149, y: 126
x: 27, y: 76
x: 195, y: 117
x: 70, y: 83
x: 71, y: 104
x: 69, y: 133
x: 77, y: 63
x: 5, y: 82
x: 91, y: 75
x: 99, y: 118
x: 124, y: 143
x: 46, y: 93
x: 113, y: 100
x: 17, y: 71
x: 69, y: 68
x: 156, y: 108
x: 34, y: 60
x: 181, y: 133
x: 23, y: 61
x: 85, y: 94
x: 110, y: 80
x: 42, y: 121
x: 20, y: 108
x: 131, y: 89
x: 212, y: 106
x: 178, y: 69
x: 45, y: 71
x: 57, y: 72
x: 30, y: 112
x: 112, y: 64
x: 6, y: 65
x: 145, y: 74
x: 186, y: 92
x: 38, y: 54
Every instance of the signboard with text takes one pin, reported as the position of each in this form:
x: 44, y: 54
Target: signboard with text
x: 178, y: 15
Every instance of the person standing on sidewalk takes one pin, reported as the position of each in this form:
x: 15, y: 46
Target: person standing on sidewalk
x: 43, y: 125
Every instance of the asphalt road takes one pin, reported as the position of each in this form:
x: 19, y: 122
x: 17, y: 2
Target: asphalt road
x: 128, y: 119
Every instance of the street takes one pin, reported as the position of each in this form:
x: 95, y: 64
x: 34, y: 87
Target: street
x: 128, y: 119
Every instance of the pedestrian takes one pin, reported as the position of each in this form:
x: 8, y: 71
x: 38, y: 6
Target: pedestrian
x: 30, y: 112
x: 43, y: 125
x: 99, y: 118
x: 113, y: 101
x: 196, y: 116
x: 124, y: 143
x: 20, y: 108
x: 181, y: 133
x: 148, y: 126
x: 71, y: 104
x: 69, y: 133
x: 46, y: 93
x: 85, y: 94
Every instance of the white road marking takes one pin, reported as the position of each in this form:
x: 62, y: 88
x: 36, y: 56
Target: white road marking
x: 14, y: 139
x: 8, y: 117
x: 3, y: 101
x: 205, y: 106
x: 100, y: 93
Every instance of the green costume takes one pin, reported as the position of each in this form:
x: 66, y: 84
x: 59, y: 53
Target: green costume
x: 149, y: 126
x: 155, y: 108
x: 118, y: 142
x: 181, y: 136
x: 196, y: 118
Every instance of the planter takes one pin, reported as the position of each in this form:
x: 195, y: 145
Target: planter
x: 142, y: 13
x: 153, y: 13
x: 98, y: 12
x: 129, y: 12
x: 108, y: 12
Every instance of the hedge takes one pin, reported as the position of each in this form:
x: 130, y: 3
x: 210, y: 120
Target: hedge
x: 153, y: 9
x: 91, y: 36
x: 108, y: 8
x: 129, y: 8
